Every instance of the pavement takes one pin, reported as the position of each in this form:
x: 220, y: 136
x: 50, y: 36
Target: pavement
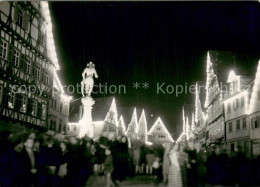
x: 137, y: 181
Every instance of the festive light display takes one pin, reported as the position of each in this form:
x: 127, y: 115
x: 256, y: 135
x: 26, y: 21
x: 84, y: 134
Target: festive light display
x: 50, y: 41
x: 142, y: 131
x: 256, y: 88
x: 121, y: 124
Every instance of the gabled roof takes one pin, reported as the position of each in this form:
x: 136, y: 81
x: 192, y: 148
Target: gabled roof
x: 159, y: 123
x: 142, y: 123
x: 121, y: 123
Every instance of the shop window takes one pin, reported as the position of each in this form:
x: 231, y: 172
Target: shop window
x: 23, y: 103
x: 11, y: 99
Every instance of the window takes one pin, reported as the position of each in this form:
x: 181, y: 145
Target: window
x: 258, y: 93
x: 61, y: 107
x: 236, y: 104
x: 23, y: 103
x: 230, y: 125
x: 46, y: 77
x: 3, y: 50
x: 242, y: 102
x: 158, y: 128
x: 16, y: 58
x: 37, y: 71
x: 255, y: 123
x: 60, y: 125
x: 11, y: 98
x: 20, y: 18
x: 238, y: 124
x: 229, y: 108
x: 34, y: 107
x: 244, y: 123
x: 43, y: 111
x: 28, y: 66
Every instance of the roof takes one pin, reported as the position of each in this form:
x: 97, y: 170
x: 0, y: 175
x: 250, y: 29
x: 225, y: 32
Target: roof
x: 225, y: 61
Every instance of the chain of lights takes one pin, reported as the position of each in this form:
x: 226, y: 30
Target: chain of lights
x: 256, y: 88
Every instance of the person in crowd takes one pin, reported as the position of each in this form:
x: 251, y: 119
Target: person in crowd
x: 150, y: 159
x: 184, y: 163
x: 48, y: 163
x: 27, y: 161
x: 74, y: 162
x: 192, y: 170
x: 137, y: 156
x: 166, y: 162
x: 201, y: 165
x: 63, y: 170
x: 242, y: 168
x: 108, y: 167
x: 123, y: 165
x: 174, y: 179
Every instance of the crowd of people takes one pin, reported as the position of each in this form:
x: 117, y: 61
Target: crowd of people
x: 190, y: 164
x: 39, y: 159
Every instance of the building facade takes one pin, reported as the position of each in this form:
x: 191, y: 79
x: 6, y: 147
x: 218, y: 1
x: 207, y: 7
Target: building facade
x: 236, y: 103
x: 254, y: 115
x: 28, y: 62
x: 214, y: 105
x: 159, y: 133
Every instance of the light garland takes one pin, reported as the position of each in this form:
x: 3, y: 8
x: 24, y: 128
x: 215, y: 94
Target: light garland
x: 255, y: 90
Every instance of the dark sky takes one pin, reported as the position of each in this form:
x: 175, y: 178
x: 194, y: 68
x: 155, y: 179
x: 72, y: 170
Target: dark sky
x: 152, y: 42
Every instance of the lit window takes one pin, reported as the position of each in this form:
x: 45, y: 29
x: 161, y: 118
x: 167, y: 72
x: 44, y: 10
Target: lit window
x: 43, y: 111
x: 28, y: 66
x: 34, y: 107
x: 244, y: 123
x: 16, y: 57
x: 23, y: 104
x: 11, y: 96
x: 20, y: 18
x: 3, y: 50
x: 38, y: 71
x: 238, y: 124
x: 230, y: 126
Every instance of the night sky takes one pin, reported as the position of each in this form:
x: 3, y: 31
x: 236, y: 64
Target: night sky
x: 152, y: 42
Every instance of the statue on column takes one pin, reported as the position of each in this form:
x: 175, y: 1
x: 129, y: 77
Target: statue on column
x: 87, y: 82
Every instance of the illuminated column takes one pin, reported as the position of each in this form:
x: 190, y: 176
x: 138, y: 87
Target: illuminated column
x: 85, y: 124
